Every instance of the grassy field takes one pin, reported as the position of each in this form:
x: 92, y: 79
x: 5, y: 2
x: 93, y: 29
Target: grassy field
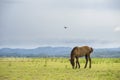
x: 58, y: 69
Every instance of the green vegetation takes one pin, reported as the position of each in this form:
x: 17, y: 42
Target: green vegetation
x: 58, y: 69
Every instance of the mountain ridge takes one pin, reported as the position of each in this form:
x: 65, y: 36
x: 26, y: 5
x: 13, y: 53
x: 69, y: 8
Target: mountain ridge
x: 55, y: 51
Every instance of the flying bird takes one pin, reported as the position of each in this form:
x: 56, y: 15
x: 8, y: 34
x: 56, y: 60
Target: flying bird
x: 65, y: 27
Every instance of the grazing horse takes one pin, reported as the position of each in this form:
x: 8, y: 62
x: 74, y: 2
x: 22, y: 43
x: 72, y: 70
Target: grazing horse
x: 79, y: 52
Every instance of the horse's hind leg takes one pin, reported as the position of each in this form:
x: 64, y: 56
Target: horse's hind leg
x: 89, y: 61
x: 86, y: 57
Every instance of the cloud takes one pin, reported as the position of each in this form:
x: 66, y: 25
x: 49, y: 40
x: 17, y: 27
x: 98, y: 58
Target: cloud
x: 117, y: 29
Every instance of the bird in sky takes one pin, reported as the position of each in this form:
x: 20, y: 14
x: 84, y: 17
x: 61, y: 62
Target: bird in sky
x: 65, y: 27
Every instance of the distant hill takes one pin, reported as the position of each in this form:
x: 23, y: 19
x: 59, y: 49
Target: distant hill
x: 55, y: 52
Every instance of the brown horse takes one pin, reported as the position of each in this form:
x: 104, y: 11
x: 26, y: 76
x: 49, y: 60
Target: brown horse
x: 79, y: 52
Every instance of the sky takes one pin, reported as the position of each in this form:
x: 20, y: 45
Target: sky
x: 34, y: 23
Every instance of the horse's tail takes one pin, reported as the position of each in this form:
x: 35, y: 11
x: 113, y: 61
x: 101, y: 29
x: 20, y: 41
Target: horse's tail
x: 91, y: 50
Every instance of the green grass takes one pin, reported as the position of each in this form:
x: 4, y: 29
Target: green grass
x: 58, y: 69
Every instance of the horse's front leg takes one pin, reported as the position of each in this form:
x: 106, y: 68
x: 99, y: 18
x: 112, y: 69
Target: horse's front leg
x: 73, y: 67
x: 76, y: 63
x: 73, y: 64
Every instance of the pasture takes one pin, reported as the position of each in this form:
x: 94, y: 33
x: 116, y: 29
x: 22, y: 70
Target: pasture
x: 58, y: 69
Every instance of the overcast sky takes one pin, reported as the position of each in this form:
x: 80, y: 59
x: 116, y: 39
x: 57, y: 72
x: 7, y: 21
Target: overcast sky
x: 33, y: 23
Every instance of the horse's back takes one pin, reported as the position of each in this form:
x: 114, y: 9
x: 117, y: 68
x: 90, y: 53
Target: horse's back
x: 81, y: 51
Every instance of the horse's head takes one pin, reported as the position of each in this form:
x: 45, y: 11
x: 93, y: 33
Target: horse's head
x: 72, y: 62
